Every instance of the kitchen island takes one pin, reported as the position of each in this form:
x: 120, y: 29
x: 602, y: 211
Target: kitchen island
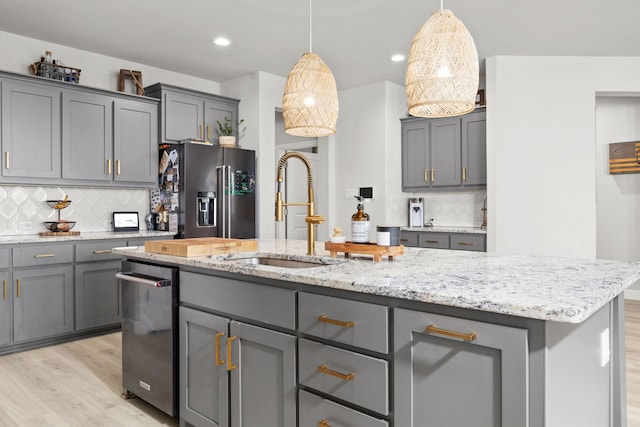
x: 458, y: 338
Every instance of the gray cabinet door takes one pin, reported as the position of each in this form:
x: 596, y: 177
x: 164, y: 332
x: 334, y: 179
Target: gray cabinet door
x: 183, y: 116
x: 30, y: 130
x: 135, y: 146
x: 97, y: 296
x: 444, y: 137
x: 43, y: 302
x: 415, y: 155
x: 263, y: 384
x: 474, y: 149
x: 87, y: 139
x: 479, y: 381
x: 216, y: 111
x: 6, y: 311
x: 204, y: 379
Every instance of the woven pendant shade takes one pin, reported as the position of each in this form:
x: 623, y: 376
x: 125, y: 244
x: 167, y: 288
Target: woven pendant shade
x: 442, y: 68
x: 310, y: 100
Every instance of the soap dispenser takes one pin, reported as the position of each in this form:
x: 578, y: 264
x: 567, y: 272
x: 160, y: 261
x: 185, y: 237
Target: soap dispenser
x: 360, y: 224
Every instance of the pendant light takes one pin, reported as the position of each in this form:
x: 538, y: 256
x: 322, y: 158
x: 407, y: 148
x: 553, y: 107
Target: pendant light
x: 442, y: 68
x: 310, y: 100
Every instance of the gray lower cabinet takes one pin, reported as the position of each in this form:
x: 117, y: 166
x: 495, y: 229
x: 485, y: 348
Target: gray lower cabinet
x: 6, y: 309
x: 457, y: 373
x: 318, y: 412
x: 43, y: 302
x: 440, y: 240
x: 97, y: 295
x: 30, y: 130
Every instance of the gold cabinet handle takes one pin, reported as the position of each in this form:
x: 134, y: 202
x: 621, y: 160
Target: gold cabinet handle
x: 345, y: 377
x: 324, y: 423
x: 347, y: 324
x: 433, y: 175
x: 218, y: 360
x: 44, y: 255
x: 432, y: 329
x: 426, y: 175
x: 208, y: 133
x: 432, y: 241
x: 200, y: 134
x: 4, y: 285
x: 230, y: 366
x: 6, y: 159
x: 102, y: 251
x: 464, y: 173
x: 18, y: 290
x: 118, y: 167
x: 465, y: 243
x: 108, y: 166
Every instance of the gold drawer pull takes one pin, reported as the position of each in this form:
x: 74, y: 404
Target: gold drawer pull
x: 432, y: 241
x: 345, y: 377
x: 426, y: 175
x: 324, y: 423
x: 347, y: 324
x: 465, y: 243
x: 102, y: 251
x: 108, y: 166
x: 432, y: 329
x: 18, y: 291
x: 44, y: 255
x: 6, y: 159
x: 218, y: 360
x: 230, y: 366
x: 464, y: 173
x: 118, y: 167
x: 200, y: 133
x: 4, y: 285
x: 433, y: 175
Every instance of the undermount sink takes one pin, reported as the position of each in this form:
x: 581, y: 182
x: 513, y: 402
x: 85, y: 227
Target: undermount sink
x: 277, y: 262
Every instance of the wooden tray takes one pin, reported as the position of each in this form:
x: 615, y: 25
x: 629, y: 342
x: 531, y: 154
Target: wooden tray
x: 200, y: 247
x: 363, y: 248
x: 58, y: 233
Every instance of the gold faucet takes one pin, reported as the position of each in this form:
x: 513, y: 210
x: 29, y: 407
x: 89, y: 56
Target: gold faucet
x: 311, y: 219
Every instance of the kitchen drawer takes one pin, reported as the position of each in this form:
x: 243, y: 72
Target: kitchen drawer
x: 368, y: 387
x: 33, y: 255
x: 271, y: 305
x: 5, y: 258
x: 98, y: 251
x: 468, y: 242
x: 313, y: 410
x: 350, y: 322
x: 409, y: 238
x: 434, y: 240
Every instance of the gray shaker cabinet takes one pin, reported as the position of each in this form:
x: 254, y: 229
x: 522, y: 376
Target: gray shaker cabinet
x: 474, y: 149
x: 444, y: 141
x: 97, y: 296
x: 6, y: 308
x: 30, y: 130
x: 463, y: 373
x: 416, y: 166
x: 87, y: 123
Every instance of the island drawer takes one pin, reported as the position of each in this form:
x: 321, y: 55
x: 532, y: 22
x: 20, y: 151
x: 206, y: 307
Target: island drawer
x: 5, y: 258
x: 98, y: 251
x: 33, y: 255
x: 267, y: 304
x: 468, y: 242
x: 350, y: 322
x: 409, y: 238
x: 314, y: 410
x: 434, y: 240
x: 356, y: 378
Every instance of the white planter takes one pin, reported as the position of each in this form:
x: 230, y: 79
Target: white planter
x: 227, y: 141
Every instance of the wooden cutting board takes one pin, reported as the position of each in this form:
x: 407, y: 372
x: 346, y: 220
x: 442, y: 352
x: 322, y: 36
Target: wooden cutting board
x: 203, y: 246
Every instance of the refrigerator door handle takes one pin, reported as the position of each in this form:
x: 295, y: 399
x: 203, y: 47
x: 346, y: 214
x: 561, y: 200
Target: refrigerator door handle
x: 221, y: 187
x: 229, y: 191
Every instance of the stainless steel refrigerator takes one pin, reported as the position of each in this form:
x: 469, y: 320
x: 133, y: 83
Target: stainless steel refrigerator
x: 208, y: 190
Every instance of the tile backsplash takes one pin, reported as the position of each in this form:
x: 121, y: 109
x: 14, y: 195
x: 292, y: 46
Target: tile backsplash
x: 23, y: 209
x: 453, y: 209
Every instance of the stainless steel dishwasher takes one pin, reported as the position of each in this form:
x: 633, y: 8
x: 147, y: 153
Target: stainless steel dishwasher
x: 149, y: 334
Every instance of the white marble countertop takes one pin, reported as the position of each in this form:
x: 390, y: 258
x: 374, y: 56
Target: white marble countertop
x: 447, y: 229
x: 97, y: 235
x: 546, y: 288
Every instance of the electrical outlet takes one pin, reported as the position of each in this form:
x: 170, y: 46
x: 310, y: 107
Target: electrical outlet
x: 25, y: 225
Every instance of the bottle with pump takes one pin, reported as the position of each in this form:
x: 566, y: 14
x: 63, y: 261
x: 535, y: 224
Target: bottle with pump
x: 360, y: 224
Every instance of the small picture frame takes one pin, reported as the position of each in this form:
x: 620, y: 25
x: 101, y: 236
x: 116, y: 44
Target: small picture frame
x: 126, y: 221
x: 480, y: 101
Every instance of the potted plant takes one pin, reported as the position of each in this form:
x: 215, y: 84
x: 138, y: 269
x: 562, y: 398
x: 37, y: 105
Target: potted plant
x: 226, y: 132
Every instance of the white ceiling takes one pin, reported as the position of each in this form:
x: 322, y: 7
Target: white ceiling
x: 354, y: 37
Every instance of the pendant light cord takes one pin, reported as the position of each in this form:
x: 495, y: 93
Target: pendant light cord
x: 311, y: 25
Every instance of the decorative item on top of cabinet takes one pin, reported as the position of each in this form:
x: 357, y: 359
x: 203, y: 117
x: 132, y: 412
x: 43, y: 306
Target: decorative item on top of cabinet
x: 135, y: 76
x: 624, y: 157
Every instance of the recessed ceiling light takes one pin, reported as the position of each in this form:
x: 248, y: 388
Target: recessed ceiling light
x: 222, y: 41
x: 398, y: 57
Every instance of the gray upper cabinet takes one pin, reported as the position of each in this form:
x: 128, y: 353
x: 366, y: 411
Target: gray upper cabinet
x: 188, y: 114
x: 458, y: 372
x: 444, y: 154
x: 135, y: 145
x: 30, y: 130
x: 6, y: 308
x: 87, y: 123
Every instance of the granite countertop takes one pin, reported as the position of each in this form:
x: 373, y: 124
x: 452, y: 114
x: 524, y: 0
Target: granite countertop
x: 447, y: 229
x: 546, y: 288
x: 96, y: 235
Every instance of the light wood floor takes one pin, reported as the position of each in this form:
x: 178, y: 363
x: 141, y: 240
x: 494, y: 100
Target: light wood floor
x: 79, y: 384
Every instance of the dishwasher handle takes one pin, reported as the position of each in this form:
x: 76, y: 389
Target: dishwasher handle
x: 143, y: 279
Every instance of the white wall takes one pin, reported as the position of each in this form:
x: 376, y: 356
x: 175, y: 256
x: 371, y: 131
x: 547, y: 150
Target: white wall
x: 98, y: 71
x: 541, y: 150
